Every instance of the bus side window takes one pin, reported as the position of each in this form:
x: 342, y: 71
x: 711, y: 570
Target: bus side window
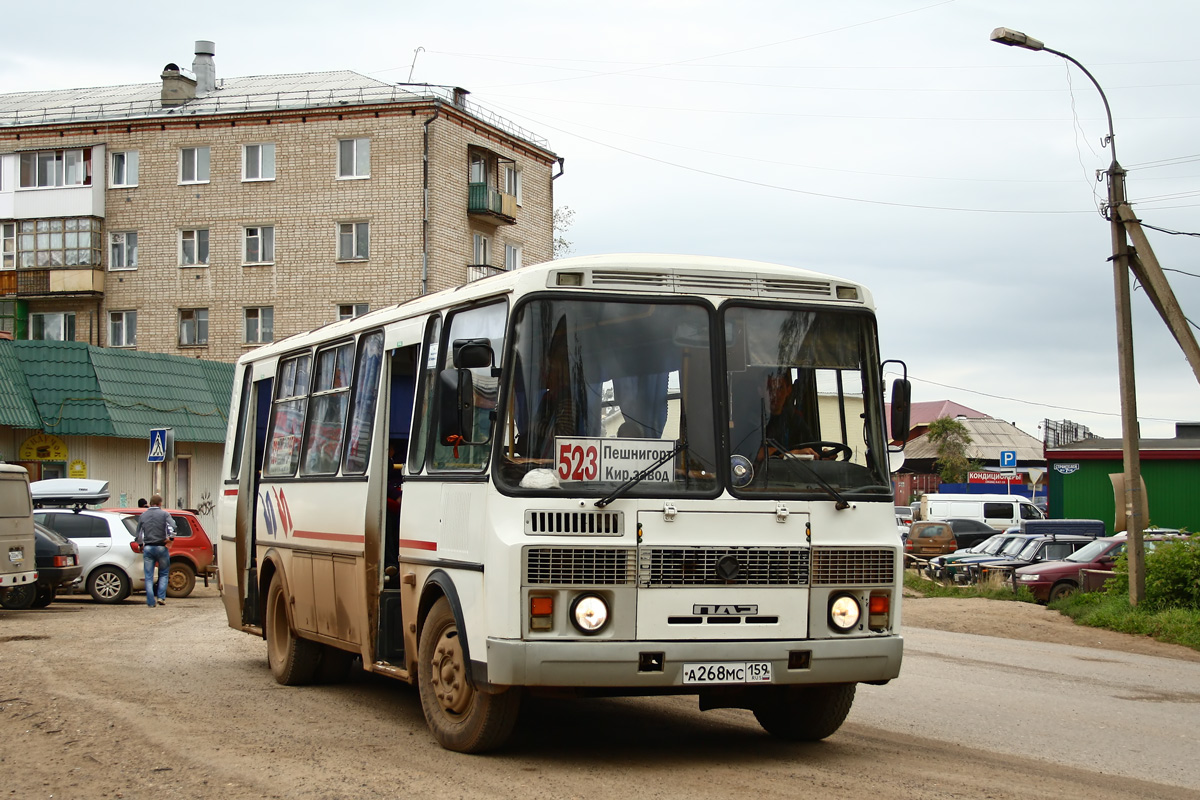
x: 366, y: 392
x: 485, y: 322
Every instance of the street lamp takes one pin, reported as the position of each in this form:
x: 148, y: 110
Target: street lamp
x: 1130, y: 435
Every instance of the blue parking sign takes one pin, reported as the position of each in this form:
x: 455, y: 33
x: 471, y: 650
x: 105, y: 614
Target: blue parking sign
x: 1008, y: 458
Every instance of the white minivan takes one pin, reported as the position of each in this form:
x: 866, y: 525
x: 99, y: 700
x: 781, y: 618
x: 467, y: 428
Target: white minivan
x: 1000, y: 511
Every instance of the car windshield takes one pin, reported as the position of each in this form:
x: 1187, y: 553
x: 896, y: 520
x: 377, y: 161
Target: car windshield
x: 1014, y: 547
x: 1093, y: 550
x: 991, y: 545
x: 1030, y: 550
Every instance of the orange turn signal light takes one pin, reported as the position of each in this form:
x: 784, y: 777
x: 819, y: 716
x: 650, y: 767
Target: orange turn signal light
x: 541, y: 606
x: 880, y: 604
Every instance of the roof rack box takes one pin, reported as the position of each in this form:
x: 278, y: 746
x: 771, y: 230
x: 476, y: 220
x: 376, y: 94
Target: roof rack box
x: 69, y: 491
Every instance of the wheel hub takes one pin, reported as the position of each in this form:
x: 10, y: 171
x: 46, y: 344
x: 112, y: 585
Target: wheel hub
x: 448, y: 675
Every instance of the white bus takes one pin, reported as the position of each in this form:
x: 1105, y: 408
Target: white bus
x: 624, y: 474
x: 18, y: 568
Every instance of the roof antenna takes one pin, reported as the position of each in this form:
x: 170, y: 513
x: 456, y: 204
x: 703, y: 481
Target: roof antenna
x: 414, y: 63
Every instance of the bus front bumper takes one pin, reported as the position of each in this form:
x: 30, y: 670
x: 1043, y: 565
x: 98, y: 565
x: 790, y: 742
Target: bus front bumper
x: 659, y: 664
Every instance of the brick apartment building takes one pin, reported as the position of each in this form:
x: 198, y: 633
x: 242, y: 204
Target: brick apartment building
x: 202, y: 217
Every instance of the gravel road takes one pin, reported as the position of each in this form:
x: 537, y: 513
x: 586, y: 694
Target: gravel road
x: 131, y: 702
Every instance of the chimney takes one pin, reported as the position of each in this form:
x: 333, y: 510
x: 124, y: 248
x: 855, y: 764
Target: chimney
x: 460, y: 97
x: 177, y: 88
x: 203, y: 67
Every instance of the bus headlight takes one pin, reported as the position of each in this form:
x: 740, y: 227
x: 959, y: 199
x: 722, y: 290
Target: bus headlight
x: 844, y: 612
x: 589, y: 613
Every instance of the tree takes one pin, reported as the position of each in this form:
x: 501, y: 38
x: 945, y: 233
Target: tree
x: 564, y: 216
x: 951, y: 438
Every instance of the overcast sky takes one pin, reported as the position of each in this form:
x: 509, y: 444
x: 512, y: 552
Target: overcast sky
x: 887, y: 142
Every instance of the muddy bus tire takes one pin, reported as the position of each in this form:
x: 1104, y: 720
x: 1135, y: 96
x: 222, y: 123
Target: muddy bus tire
x: 293, y: 661
x: 461, y: 717
x: 805, y: 713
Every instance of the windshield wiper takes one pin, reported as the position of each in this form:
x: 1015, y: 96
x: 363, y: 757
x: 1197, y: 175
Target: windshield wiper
x: 641, y: 476
x: 785, y: 453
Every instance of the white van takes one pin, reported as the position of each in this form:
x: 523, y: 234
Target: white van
x: 1000, y: 511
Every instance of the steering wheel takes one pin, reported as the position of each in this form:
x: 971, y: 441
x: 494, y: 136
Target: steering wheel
x: 827, y: 451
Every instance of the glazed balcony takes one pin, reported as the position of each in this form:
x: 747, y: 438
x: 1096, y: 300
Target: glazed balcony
x: 59, y: 281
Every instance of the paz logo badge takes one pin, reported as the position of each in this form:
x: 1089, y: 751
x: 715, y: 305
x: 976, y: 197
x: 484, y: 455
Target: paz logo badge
x: 1066, y: 469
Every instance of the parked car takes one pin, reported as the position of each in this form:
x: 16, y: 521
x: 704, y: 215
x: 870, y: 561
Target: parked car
x: 959, y: 571
x: 57, y: 565
x: 991, y: 546
x: 192, y: 551
x: 112, y: 568
x: 905, y: 513
x: 1035, y: 551
x: 929, y: 539
x: 1052, y: 580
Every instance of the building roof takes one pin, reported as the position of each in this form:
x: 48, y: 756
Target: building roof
x: 927, y: 412
x: 1114, y: 448
x: 988, y: 437
x: 257, y: 93
x: 75, y: 389
x: 17, y: 408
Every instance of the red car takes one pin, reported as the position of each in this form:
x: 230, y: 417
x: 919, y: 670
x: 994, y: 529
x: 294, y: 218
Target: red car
x: 1052, y: 580
x: 192, y: 552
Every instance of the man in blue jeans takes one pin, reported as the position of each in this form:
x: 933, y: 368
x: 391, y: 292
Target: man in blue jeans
x: 155, y: 530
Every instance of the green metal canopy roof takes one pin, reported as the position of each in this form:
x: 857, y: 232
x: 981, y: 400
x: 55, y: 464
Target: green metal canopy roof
x: 75, y: 389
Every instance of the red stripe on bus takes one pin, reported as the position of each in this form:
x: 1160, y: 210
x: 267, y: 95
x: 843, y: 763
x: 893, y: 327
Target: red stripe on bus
x: 417, y: 544
x: 231, y: 492
x: 332, y: 537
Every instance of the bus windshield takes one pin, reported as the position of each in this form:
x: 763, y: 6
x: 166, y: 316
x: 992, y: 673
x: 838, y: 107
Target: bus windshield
x: 600, y: 391
x: 802, y: 416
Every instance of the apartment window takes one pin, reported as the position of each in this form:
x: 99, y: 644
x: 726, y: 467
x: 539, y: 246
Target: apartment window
x: 53, y: 326
x: 512, y: 256
x: 193, y: 247
x: 479, y: 170
x: 353, y: 240
x: 8, y: 245
x: 193, y: 165
x: 193, y: 327
x: 354, y: 158
x: 122, y: 250
x: 258, y: 162
x: 124, y: 169
x: 260, y: 245
x: 482, y: 250
x: 352, y: 310
x: 122, y: 328
x: 512, y: 181
x: 58, y: 242
x: 260, y: 325
x: 48, y: 168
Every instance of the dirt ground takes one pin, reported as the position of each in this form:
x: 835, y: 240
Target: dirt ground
x: 130, y: 702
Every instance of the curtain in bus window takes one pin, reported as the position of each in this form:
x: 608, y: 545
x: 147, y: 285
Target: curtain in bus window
x: 287, y: 419
x: 643, y: 402
x: 366, y: 390
x: 327, y: 415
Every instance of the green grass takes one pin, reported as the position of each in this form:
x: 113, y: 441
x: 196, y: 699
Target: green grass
x: 1112, y: 612
x: 1108, y: 610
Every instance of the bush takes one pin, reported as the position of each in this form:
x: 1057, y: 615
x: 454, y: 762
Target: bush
x: 1172, y: 575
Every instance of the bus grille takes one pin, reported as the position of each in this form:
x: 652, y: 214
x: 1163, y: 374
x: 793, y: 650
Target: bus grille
x: 853, y: 567
x: 697, y: 566
x: 578, y: 523
x: 579, y: 566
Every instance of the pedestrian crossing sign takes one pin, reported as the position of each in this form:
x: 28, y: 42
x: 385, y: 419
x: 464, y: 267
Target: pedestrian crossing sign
x: 162, y: 445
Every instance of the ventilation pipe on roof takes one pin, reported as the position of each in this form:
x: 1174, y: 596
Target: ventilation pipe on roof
x: 177, y: 88
x: 460, y: 97
x: 204, y: 68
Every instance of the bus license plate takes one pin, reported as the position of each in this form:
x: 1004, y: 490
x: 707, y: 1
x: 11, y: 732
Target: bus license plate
x: 728, y: 672
x: 16, y: 556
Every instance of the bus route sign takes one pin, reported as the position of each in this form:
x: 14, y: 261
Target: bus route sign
x: 611, y: 460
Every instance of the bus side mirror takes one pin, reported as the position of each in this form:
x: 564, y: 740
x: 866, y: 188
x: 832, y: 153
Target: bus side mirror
x: 456, y: 409
x: 901, y: 409
x: 473, y: 354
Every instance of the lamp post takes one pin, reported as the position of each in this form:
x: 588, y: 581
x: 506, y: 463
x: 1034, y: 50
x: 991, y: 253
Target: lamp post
x: 1130, y: 435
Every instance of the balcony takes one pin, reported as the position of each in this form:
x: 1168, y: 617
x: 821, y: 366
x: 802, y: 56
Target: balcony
x: 57, y: 282
x: 8, y: 282
x: 476, y: 272
x: 486, y: 201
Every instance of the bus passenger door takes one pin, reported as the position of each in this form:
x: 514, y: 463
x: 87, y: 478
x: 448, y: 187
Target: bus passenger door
x: 249, y: 477
x: 401, y: 389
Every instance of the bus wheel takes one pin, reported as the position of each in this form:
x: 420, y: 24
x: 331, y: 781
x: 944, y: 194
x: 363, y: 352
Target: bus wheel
x: 293, y: 660
x: 19, y: 597
x: 805, y: 713
x: 461, y: 717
